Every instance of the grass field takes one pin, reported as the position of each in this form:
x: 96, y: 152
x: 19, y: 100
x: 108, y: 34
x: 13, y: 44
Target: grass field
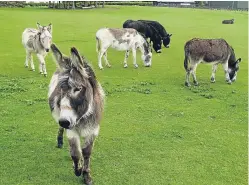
x: 155, y: 130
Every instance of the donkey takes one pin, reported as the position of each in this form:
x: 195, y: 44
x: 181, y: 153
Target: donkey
x: 148, y: 30
x: 210, y: 51
x: 231, y: 21
x: 161, y: 30
x: 76, y: 100
x: 38, y: 42
x: 122, y: 39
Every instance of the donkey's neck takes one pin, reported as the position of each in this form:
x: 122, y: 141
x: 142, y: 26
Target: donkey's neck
x: 141, y: 46
x: 37, y: 42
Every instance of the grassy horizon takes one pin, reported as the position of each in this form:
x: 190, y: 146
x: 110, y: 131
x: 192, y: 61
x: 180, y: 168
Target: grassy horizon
x: 154, y: 130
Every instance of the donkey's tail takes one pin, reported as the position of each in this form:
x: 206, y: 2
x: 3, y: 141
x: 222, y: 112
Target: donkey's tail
x: 98, y: 44
x: 186, y: 60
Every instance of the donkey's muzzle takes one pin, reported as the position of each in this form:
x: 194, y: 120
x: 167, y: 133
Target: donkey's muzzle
x: 64, y: 123
x: 47, y: 50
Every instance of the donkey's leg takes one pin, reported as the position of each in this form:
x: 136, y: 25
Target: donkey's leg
x: 214, y: 68
x: 225, y: 67
x: 60, y: 137
x: 100, y: 54
x: 40, y: 57
x: 42, y: 65
x: 188, y: 71
x: 26, y: 63
x: 29, y: 58
x: 126, y: 57
x: 44, y: 68
x: 32, y: 63
x: 134, y: 57
x: 193, y: 72
x: 75, y: 151
x: 106, y: 61
x: 86, y: 151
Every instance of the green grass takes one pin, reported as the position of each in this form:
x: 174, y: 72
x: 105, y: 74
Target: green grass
x: 155, y: 130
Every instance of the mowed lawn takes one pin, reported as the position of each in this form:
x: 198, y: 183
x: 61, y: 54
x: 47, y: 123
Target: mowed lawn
x: 155, y: 130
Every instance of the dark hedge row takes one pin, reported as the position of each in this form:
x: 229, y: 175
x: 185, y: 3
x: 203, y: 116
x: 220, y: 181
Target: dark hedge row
x: 131, y: 3
x: 20, y: 4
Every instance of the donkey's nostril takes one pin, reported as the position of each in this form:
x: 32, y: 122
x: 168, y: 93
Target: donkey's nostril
x: 64, y: 123
x: 47, y: 50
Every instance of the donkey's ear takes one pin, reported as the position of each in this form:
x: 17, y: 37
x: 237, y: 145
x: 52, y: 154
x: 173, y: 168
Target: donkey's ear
x: 58, y: 57
x: 39, y: 26
x: 50, y: 28
x: 76, y: 59
x: 239, y: 60
x: 169, y: 35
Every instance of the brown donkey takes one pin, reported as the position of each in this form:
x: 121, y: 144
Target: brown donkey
x: 210, y: 51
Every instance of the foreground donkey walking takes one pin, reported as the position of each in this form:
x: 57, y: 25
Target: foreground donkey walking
x: 124, y: 39
x: 38, y: 42
x: 76, y: 101
x: 211, y: 51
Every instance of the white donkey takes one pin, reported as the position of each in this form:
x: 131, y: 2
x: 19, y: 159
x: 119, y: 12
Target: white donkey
x: 38, y: 42
x: 122, y: 39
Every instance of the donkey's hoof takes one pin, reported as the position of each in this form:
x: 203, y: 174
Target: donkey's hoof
x: 41, y: 73
x: 60, y: 145
x: 196, y: 83
x: 26, y: 66
x: 87, y: 179
x: 45, y: 75
x: 187, y: 84
x: 212, y: 79
x: 78, y: 172
x: 136, y: 66
x: 229, y: 82
x: 108, y: 65
x: 88, y: 182
x: 100, y: 68
x: 125, y: 66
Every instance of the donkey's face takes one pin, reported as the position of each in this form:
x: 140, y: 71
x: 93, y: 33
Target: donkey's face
x: 147, y: 58
x: 76, y: 92
x: 45, y: 35
x: 166, y: 40
x: 233, y: 69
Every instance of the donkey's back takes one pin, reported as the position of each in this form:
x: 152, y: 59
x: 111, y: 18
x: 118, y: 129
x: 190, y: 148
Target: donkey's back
x: 28, y: 37
x: 207, y: 50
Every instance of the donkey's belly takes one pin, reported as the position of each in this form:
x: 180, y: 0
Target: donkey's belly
x: 123, y: 46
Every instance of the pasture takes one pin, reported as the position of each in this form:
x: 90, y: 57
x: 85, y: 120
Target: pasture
x: 155, y: 130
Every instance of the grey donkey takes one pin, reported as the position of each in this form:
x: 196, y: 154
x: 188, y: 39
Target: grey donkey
x: 37, y: 41
x: 76, y: 100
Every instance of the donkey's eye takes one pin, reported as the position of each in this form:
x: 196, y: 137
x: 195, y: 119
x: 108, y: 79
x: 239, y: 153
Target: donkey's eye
x: 77, y: 89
